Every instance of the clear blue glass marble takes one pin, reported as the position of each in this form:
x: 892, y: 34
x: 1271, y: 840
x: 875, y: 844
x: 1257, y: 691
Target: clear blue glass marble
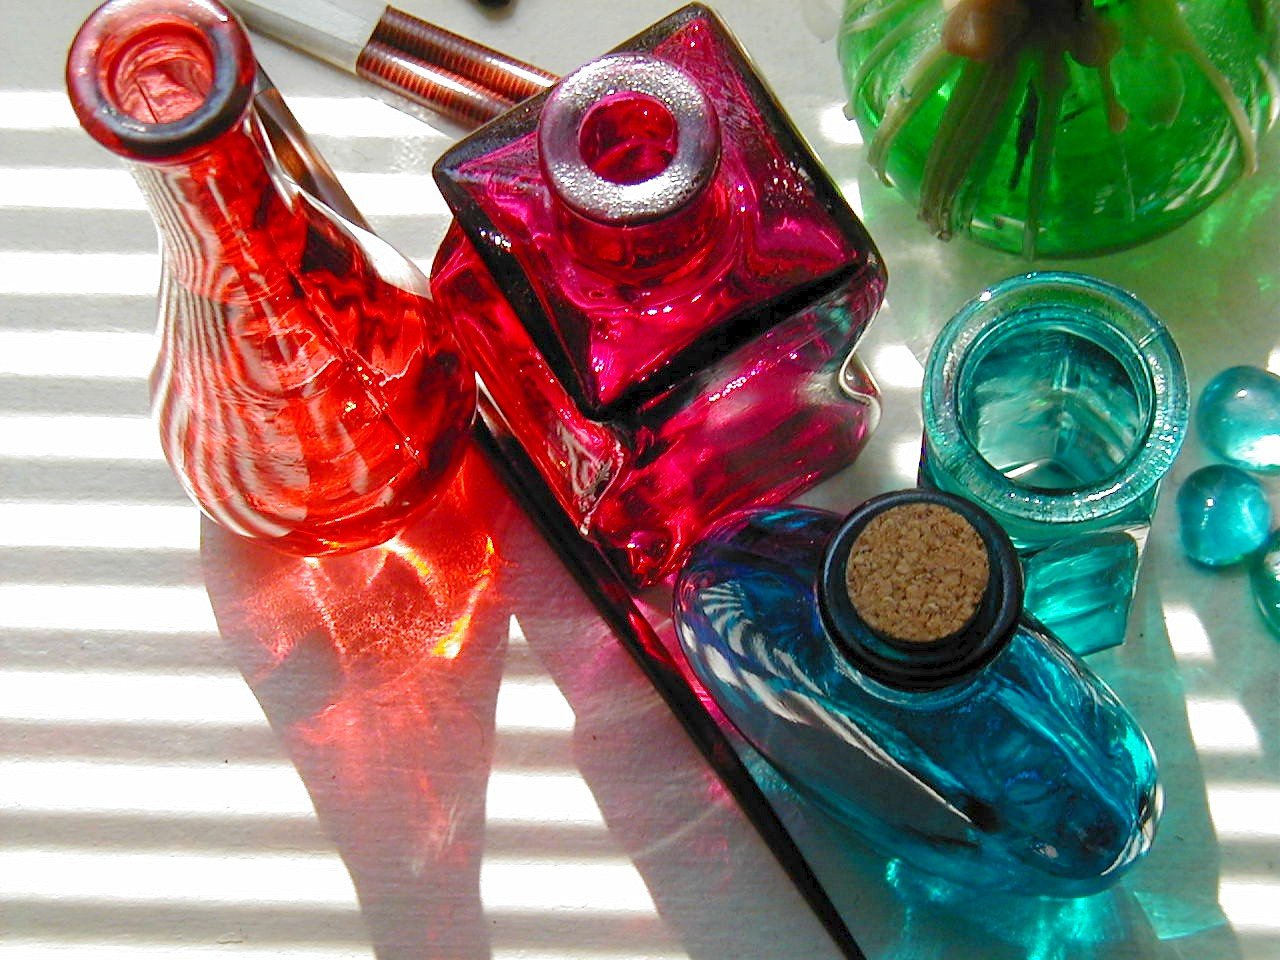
x: 991, y: 755
x: 1223, y: 515
x: 1239, y: 418
x: 1058, y: 402
x: 1264, y: 577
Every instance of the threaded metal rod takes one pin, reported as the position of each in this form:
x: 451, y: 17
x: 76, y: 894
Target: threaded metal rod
x: 446, y: 93
x: 490, y: 69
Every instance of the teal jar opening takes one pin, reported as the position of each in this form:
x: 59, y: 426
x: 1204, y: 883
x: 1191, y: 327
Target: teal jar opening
x: 1058, y: 442
x: 1058, y: 396
x: 1058, y: 402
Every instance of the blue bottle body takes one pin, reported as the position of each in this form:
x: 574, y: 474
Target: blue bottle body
x: 1028, y: 776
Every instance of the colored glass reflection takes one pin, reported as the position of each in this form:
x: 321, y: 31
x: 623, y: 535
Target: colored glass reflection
x: 379, y: 670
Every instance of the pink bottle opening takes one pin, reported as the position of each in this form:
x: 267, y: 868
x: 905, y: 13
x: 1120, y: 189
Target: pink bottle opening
x: 628, y: 137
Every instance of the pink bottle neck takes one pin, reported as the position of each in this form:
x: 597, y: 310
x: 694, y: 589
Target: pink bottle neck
x: 629, y: 146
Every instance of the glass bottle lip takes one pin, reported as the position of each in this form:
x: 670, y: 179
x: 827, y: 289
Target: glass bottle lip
x: 1128, y: 323
x: 947, y: 661
x: 109, y: 31
x: 588, y: 193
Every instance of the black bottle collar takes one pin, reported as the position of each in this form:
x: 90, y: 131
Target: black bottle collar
x: 938, y: 663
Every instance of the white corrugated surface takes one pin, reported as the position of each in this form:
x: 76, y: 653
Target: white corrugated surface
x: 542, y: 803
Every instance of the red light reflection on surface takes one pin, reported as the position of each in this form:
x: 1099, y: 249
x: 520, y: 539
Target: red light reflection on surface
x: 379, y: 670
x: 385, y: 609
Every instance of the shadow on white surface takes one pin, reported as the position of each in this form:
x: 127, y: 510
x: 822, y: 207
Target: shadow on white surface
x: 562, y: 813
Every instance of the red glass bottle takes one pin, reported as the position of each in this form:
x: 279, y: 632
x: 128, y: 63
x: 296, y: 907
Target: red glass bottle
x: 306, y: 389
x: 661, y: 290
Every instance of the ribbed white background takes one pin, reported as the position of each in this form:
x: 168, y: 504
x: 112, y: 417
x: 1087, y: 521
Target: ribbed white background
x: 147, y: 808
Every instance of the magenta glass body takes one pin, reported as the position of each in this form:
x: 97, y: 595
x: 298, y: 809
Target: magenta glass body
x: 306, y: 390
x: 661, y: 290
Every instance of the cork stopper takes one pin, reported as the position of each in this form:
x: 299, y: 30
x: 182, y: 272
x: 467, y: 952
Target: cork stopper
x: 917, y: 573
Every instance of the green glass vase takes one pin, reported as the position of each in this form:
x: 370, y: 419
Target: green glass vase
x: 1060, y: 128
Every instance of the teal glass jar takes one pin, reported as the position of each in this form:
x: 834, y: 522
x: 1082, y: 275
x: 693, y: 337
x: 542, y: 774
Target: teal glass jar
x: 1058, y: 402
x: 1060, y: 127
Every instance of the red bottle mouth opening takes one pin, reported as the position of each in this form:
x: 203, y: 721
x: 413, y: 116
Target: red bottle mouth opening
x: 153, y: 79
x: 161, y: 73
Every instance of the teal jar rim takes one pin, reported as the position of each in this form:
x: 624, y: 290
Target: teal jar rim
x: 1096, y: 303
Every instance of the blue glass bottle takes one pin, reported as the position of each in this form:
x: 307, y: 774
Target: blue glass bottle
x: 1058, y: 402
x: 989, y: 755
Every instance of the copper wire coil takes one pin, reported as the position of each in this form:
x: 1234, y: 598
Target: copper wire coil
x: 488, y: 68
x: 452, y: 96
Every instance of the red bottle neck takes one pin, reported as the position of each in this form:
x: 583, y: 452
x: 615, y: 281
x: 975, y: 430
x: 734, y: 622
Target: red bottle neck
x: 154, y: 80
x: 224, y: 217
x: 168, y: 85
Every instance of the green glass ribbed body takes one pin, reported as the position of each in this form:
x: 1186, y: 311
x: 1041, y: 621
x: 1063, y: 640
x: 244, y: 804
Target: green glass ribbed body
x: 1056, y: 127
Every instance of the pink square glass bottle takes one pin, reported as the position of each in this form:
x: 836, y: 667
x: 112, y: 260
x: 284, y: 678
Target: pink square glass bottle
x: 661, y: 290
